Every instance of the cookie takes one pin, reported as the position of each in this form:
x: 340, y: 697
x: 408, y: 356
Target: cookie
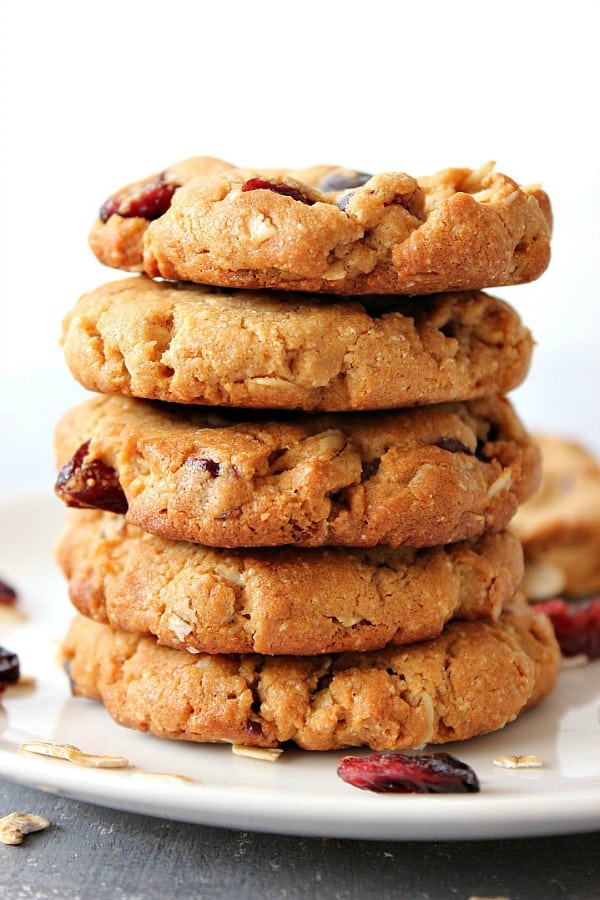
x: 188, y: 344
x: 560, y: 525
x: 280, y: 600
x: 474, y: 678
x: 327, y: 229
x: 422, y: 476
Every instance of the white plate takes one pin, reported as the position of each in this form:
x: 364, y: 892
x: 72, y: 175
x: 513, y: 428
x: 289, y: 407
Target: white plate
x: 300, y: 793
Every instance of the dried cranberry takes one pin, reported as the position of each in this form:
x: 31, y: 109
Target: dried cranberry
x: 147, y: 200
x: 8, y: 595
x: 206, y: 465
x: 342, y: 181
x: 90, y: 484
x: 399, y: 773
x: 453, y: 445
x: 9, y: 667
x: 256, y: 184
x: 253, y: 729
x: 576, y: 625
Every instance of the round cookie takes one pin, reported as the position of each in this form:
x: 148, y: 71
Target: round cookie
x: 327, y: 229
x: 280, y: 600
x: 422, y: 477
x: 560, y: 525
x: 189, y: 344
x: 474, y: 678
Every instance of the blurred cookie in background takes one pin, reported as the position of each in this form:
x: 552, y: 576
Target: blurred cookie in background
x: 560, y: 525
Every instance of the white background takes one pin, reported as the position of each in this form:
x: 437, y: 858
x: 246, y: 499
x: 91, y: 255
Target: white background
x: 97, y: 95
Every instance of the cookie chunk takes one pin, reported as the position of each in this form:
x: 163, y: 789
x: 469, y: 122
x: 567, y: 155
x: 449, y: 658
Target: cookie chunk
x: 474, y: 678
x: 280, y: 600
x: 188, y: 344
x: 328, y: 230
x: 560, y: 525
x: 422, y: 477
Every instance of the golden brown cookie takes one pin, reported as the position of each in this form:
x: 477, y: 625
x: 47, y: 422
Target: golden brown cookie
x: 474, y: 678
x: 326, y: 229
x: 280, y: 600
x: 184, y: 343
x: 422, y: 477
x: 560, y: 525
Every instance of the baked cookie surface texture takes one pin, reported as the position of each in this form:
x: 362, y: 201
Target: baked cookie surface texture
x: 326, y: 229
x: 421, y: 477
x: 189, y: 344
x: 280, y: 600
x: 475, y: 678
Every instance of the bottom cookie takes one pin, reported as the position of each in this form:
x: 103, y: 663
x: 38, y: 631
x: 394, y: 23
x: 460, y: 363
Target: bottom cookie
x: 474, y: 678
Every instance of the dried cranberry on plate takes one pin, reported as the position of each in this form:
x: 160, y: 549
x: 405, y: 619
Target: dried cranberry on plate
x: 401, y: 773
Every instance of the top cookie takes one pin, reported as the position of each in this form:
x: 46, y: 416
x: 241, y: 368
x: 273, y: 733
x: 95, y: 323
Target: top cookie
x: 327, y: 229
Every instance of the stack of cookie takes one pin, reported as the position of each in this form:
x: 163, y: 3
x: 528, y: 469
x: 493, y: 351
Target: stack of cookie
x: 293, y: 505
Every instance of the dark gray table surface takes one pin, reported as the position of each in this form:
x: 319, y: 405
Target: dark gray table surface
x: 93, y: 852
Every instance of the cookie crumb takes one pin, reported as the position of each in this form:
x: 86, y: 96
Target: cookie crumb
x: 142, y: 774
x: 268, y: 754
x: 479, y: 897
x: 575, y: 662
x: 25, y: 682
x: 75, y: 755
x: 11, y: 615
x: 16, y: 825
x: 518, y: 762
